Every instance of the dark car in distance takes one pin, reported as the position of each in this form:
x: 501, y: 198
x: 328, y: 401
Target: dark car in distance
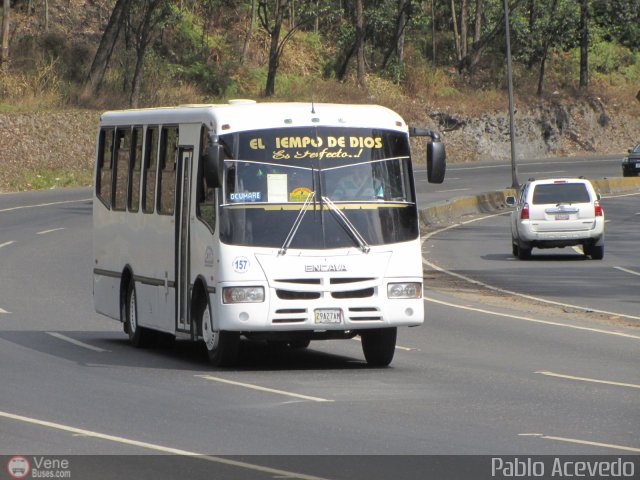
x: 631, y: 164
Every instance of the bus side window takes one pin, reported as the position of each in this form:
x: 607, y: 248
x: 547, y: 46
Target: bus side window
x: 167, y: 170
x: 133, y: 202
x: 121, y: 167
x: 104, y: 170
x: 150, y: 168
x: 206, y: 204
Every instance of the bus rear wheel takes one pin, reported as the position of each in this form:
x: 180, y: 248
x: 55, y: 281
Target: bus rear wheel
x: 222, y: 347
x: 379, y: 345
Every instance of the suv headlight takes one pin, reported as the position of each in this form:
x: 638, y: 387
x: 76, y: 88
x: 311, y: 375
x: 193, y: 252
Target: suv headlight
x: 243, y: 294
x: 404, y: 290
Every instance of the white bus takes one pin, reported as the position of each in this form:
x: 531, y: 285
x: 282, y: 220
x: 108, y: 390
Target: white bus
x: 279, y: 222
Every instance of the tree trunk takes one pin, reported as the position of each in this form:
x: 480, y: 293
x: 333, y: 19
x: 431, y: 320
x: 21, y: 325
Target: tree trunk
x: 584, y: 43
x: 247, y: 38
x: 134, y: 98
x: 46, y: 15
x: 470, y: 61
x: 103, y: 54
x: 456, y: 35
x: 478, y: 26
x: 274, y: 53
x: 4, y: 53
x: 398, y: 37
x: 360, y: 43
x: 464, y: 24
x: 433, y: 33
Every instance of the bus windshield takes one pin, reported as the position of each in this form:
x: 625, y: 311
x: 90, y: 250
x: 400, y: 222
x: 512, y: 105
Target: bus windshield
x: 364, y: 173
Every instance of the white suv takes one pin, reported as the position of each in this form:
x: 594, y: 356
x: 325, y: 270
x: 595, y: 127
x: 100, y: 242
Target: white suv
x: 558, y: 212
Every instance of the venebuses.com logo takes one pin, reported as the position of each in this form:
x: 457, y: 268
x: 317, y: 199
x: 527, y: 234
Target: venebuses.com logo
x: 18, y: 467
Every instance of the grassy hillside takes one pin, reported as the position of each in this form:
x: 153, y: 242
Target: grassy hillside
x: 47, y: 122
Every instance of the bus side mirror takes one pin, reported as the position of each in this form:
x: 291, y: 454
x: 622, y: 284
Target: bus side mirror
x: 436, y: 162
x: 213, y: 161
x: 511, y: 201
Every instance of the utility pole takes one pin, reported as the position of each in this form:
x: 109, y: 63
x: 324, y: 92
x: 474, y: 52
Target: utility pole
x: 512, y: 129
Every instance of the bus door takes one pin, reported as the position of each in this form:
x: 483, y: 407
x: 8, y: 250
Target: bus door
x: 185, y: 160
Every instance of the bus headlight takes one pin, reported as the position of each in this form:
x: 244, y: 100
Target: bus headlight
x: 404, y: 290
x: 243, y: 294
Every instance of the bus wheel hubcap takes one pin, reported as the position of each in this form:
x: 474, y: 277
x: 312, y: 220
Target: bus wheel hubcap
x: 133, y: 321
x: 210, y: 337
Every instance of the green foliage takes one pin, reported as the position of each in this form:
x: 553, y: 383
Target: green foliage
x: 608, y: 57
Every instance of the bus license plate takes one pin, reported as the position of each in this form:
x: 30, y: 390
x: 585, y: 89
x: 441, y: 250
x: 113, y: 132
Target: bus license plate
x: 328, y: 315
x: 562, y: 217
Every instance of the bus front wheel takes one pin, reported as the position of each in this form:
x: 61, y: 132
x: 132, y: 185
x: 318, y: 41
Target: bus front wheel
x: 138, y: 336
x: 379, y: 345
x: 222, y: 347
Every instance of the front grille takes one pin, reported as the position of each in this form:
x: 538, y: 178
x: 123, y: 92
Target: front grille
x: 364, y: 293
x: 288, y: 320
x: 285, y: 311
x: 357, y: 314
x: 293, y: 295
x: 338, y: 281
x: 303, y: 281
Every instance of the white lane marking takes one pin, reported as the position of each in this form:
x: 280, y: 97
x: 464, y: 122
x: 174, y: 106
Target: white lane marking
x: 523, y: 165
x: 580, y: 442
x: 76, y: 342
x: 44, y: 204
x: 398, y: 347
x: 545, y: 173
x: 6, y: 243
x: 159, y: 448
x: 502, y: 290
x: 3, y: 311
x: 263, y: 389
x: 624, y: 195
x: 535, y: 320
x: 586, y: 379
x: 578, y: 249
x: 49, y: 231
x: 453, y: 190
x: 622, y: 269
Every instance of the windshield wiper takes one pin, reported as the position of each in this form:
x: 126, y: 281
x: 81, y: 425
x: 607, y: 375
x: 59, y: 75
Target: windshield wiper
x: 296, y: 223
x: 355, y: 234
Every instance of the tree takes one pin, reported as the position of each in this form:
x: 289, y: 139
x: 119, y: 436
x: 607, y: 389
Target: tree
x: 469, y: 62
x: 271, y: 17
x: 360, y: 43
x: 249, y: 34
x: 4, y: 53
x: 105, y: 49
x: 397, y: 45
x: 143, y: 18
x: 584, y: 43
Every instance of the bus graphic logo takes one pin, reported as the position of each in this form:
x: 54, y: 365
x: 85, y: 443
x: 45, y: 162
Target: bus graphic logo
x: 18, y: 467
x: 325, y: 268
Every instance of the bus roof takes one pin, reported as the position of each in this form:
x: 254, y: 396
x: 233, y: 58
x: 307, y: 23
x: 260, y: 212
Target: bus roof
x: 241, y: 115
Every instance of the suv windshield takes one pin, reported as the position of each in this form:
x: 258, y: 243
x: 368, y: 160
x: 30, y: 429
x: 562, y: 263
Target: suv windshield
x: 365, y: 173
x: 560, y: 193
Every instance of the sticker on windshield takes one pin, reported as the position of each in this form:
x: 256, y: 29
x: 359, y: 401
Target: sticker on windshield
x: 299, y: 194
x: 240, y: 264
x: 245, y: 197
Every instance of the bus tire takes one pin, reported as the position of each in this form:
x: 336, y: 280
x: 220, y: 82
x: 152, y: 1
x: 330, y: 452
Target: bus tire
x: 138, y: 336
x: 379, y: 345
x: 222, y: 347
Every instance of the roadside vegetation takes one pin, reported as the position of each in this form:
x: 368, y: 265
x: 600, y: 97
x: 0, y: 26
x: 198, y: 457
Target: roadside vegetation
x: 426, y: 59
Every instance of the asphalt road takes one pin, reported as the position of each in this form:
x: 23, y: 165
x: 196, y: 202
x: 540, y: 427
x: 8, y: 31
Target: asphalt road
x: 475, y: 379
x: 481, y: 250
